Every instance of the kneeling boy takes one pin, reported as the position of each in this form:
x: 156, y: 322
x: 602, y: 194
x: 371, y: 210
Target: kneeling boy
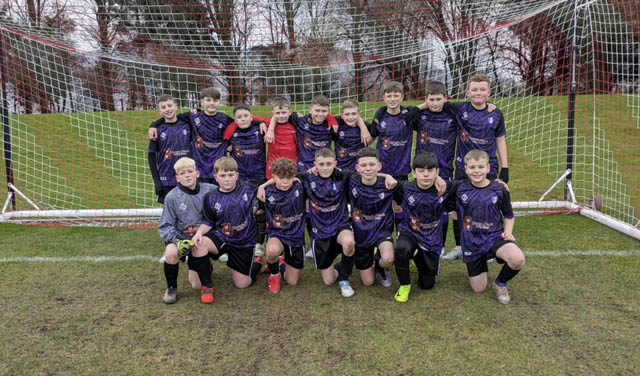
x: 229, y: 225
x: 484, y: 207
x: 181, y: 215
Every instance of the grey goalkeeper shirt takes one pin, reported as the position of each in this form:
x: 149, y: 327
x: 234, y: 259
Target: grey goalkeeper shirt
x: 182, y: 213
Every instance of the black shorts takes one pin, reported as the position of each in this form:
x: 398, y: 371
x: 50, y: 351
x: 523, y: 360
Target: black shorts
x: 240, y: 258
x: 479, y: 266
x: 461, y: 175
x: 164, y: 190
x: 326, y: 250
x: 293, y: 256
x: 364, y: 255
x: 427, y: 262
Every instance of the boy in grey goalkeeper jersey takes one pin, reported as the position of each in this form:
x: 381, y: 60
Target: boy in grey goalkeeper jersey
x: 181, y: 216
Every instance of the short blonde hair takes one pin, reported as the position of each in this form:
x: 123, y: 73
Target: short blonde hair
x: 184, y: 162
x: 392, y: 87
x: 476, y: 155
x: 478, y: 78
x: 284, y: 168
x: 349, y: 103
x: 224, y: 164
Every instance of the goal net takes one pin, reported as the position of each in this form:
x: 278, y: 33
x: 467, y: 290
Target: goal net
x: 80, y: 80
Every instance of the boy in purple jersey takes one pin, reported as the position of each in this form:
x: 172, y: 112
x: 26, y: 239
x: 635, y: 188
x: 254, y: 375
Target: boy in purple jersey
x: 372, y: 220
x: 181, y: 215
x: 419, y: 234
x: 484, y: 206
x: 285, y: 210
x: 174, y: 142
x: 483, y: 129
x: 247, y: 146
x: 352, y: 134
x: 229, y: 223
x: 207, y: 126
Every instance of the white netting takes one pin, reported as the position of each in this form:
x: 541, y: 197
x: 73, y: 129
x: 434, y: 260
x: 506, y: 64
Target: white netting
x: 81, y: 79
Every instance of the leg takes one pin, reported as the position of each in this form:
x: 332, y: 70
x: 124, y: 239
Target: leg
x: 405, y: 245
x: 347, y: 241
x: 171, y: 269
x: 368, y: 276
x: 292, y: 275
x: 202, y: 251
x: 514, y: 262
x: 477, y: 271
x: 273, y: 251
x: 240, y: 280
x: 386, y: 254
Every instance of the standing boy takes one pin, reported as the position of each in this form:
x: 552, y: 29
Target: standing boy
x: 352, y: 134
x: 181, y: 216
x: 174, y: 142
x: 483, y: 130
x: 484, y: 207
x: 229, y: 223
x: 208, y: 127
x: 285, y: 212
x: 282, y: 141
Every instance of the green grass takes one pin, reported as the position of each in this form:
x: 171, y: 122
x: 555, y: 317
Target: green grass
x: 571, y: 315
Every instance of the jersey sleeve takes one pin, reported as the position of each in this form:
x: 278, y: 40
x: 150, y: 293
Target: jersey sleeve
x: 230, y: 130
x: 153, y: 146
x: 398, y: 196
x: 450, y: 199
x: 156, y: 123
x: 209, y: 214
x: 376, y: 120
x: 166, y: 227
x: 294, y: 119
x: 186, y: 117
x: 507, y: 210
x: 452, y: 108
x: 501, y: 130
x: 412, y: 116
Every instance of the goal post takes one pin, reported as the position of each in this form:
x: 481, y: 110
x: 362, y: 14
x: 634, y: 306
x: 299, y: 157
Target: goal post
x: 79, y: 85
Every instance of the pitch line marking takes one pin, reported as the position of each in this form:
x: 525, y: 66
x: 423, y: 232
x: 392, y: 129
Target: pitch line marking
x: 101, y: 259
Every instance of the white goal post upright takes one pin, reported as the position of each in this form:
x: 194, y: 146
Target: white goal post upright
x: 79, y: 84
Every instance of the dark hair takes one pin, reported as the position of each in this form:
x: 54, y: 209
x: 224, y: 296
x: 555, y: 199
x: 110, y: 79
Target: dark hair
x: 165, y: 98
x: 425, y: 159
x: 436, y: 87
x: 392, y: 87
x: 210, y: 92
x: 241, y: 106
x: 320, y: 100
x: 324, y: 153
x: 366, y: 152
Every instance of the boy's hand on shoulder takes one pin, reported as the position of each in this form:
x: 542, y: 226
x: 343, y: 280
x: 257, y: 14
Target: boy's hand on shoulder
x: 270, y: 136
x: 153, y: 133
x: 194, y: 111
x: 313, y: 170
x: 508, y: 236
x: 390, y: 182
x: 503, y: 184
x: 491, y: 107
x: 334, y: 127
x: 260, y: 194
x: 422, y: 106
x: 263, y: 128
x: 441, y: 185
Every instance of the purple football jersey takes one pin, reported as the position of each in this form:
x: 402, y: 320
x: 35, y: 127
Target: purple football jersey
x: 311, y: 137
x: 285, y: 211
x: 478, y: 130
x: 249, y: 152
x: 173, y: 143
x: 371, y: 210
x: 436, y: 132
x: 394, y: 141
x: 481, y: 212
x: 347, y: 143
x: 327, y: 203
x: 422, y: 210
x: 208, y: 141
x: 230, y: 214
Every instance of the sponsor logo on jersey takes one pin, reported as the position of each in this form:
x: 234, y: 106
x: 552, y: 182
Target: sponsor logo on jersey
x: 491, y: 120
x: 411, y: 200
x: 217, y: 206
x: 354, y: 192
x: 468, y: 223
x: 494, y: 199
x: 386, y: 143
x: 415, y: 223
x: 341, y: 134
x: 237, y: 151
x: 190, y: 230
x: 314, y: 206
x: 357, y: 215
x: 464, y: 197
x: 464, y: 136
x: 296, y: 193
x: 167, y: 154
x: 307, y: 141
x: 271, y: 199
x: 313, y: 185
x: 465, y: 115
x: 277, y: 221
x: 245, y: 197
x: 383, y: 125
x: 422, y: 137
x: 184, y: 132
x: 227, y: 230
x: 199, y: 142
x: 163, y: 135
x: 183, y: 206
x: 381, y: 195
x: 342, y: 152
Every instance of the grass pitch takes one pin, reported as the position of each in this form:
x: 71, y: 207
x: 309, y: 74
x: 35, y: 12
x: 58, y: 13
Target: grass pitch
x: 570, y: 315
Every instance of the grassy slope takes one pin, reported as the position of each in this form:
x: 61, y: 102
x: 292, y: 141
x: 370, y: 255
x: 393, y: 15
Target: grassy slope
x: 569, y: 315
